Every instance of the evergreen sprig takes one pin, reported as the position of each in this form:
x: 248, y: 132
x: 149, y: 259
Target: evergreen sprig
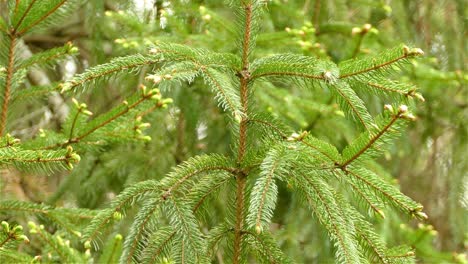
x: 166, y: 216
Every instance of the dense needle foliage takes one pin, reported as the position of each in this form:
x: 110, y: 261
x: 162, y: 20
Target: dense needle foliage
x: 249, y: 131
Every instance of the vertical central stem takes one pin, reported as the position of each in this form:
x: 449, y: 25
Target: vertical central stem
x: 241, y: 176
x: 8, y: 83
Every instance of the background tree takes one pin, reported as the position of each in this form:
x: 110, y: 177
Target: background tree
x: 327, y: 32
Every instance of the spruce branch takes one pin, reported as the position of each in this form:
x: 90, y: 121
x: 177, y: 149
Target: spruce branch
x: 64, y: 251
x: 138, y: 228
x: 49, y: 57
x: 22, y: 31
x: 292, y: 65
x: 270, y: 125
x: 118, y: 207
x: 360, y: 67
x: 158, y: 244
x: 330, y: 213
x: 380, y: 187
x: 369, y: 199
x: 23, y: 16
x: 267, y: 249
x: 121, y: 64
x: 60, y: 217
x: 194, y: 167
x: 185, y: 224
x: 34, y: 92
x: 264, y: 193
x: 47, y: 160
x: 352, y: 104
x: 112, y: 251
x: 401, y: 114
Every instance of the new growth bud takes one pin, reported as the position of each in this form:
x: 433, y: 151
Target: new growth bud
x: 87, y: 244
x: 258, y: 229
x: 5, y: 226
x: 419, y: 97
x: 356, y: 31
x: 366, y: 28
x: 154, y: 78
x: 117, y: 216
x: 403, y: 109
x: 389, y: 108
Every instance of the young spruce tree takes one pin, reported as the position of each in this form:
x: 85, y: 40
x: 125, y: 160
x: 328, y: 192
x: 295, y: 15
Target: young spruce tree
x: 170, y: 217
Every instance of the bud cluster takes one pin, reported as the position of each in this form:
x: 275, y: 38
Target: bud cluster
x: 82, y: 108
x: 297, y: 137
x: 366, y: 28
x: 412, y: 52
x: 401, y: 112
x: 15, y: 233
x: 72, y: 157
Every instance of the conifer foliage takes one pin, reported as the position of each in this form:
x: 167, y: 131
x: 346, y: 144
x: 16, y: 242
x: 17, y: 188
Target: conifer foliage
x: 167, y: 216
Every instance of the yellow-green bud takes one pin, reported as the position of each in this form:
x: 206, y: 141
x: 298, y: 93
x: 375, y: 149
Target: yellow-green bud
x: 258, y: 229
x: 421, y: 215
x: 145, y: 138
x: 87, y: 112
x: 167, y: 101
x: 87, y: 244
x: 76, y: 103
x: 356, y: 31
x: 32, y: 225
x: 144, y: 125
x: 403, y: 109
x: 24, y: 238
x: 389, y: 108
x: 6, y: 226
x: 419, y: 97
x: 75, y: 157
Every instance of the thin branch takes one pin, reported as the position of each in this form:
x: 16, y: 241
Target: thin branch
x: 36, y: 160
x: 74, y: 124
x: 42, y: 18
x: 168, y: 192
x: 388, y: 89
x: 382, y: 258
x: 139, y: 231
x: 371, y: 141
x: 270, y: 125
x: 376, y: 67
x: 77, y: 139
x: 379, y: 189
x: 218, y: 86
x: 160, y: 249
x: 23, y: 16
x: 264, y: 192
x: 295, y: 74
x: 96, y: 76
x: 203, y: 198
x: 331, y: 221
x: 116, y: 209
x: 11, y: 236
x: 353, y: 107
x: 265, y: 247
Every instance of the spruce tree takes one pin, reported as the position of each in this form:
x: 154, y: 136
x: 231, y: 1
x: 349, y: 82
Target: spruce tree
x: 215, y: 205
